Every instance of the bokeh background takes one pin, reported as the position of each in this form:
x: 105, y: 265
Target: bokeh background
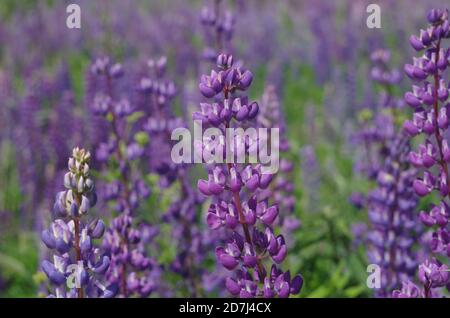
x: 315, y: 53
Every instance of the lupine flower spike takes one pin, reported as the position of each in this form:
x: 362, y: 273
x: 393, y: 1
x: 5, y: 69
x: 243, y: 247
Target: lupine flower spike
x: 234, y: 188
x: 132, y: 270
x: 77, y: 263
x: 429, y: 100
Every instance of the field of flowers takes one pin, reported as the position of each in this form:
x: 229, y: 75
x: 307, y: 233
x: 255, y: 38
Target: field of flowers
x: 93, y: 202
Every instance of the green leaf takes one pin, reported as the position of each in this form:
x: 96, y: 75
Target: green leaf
x: 12, y: 266
x: 354, y: 291
x: 320, y: 292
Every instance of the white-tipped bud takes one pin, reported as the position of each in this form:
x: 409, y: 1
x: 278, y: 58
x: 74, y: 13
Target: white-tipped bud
x: 84, y: 205
x: 89, y: 184
x: 80, y: 185
x: 71, y: 164
x: 86, y: 169
x: 67, y: 180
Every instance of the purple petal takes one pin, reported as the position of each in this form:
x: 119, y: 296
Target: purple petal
x: 202, y: 185
x: 215, y: 188
x: 254, y: 109
x: 296, y: 284
x: 416, y: 43
x: 420, y: 188
x: 242, y: 113
x: 228, y: 261
x: 246, y: 79
x: 48, y: 239
x: 281, y: 255
x: 101, y: 269
x: 412, y: 100
x: 213, y: 221
x: 270, y: 215
x: 207, y: 91
x: 252, y: 183
x: 232, y: 286
x: 265, y: 180
x: 98, y: 230
x: 62, y: 246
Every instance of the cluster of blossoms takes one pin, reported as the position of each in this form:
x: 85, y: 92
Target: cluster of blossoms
x: 310, y: 174
x: 428, y: 98
x: 282, y: 188
x: 131, y: 269
x: 235, y: 189
x: 377, y: 130
x: 376, y: 133
x: 218, y: 29
x: 41, y: 148
x: 77, y: 263
x: 391, y: 204
x: 156, y: 94
x: 382, y: 74
x: 192, y: 242
x: 155, y: 88
x: 432, y: 274
x: 391, y: 209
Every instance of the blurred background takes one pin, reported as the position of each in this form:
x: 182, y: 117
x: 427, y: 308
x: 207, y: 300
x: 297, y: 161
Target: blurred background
x: 316, y: 55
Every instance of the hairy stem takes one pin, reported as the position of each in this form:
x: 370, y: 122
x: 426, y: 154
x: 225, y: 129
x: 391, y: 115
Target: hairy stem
x: 238, y: 203
x: 437, y: 132
x: 76, y: 221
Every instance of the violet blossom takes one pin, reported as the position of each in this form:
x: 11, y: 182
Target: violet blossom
x: 131, y: 269
x: 155, y: 96
x: 428, y: 99
x: 391, y: 204
x: 391, y: 209
x: 377, y: 130
x: 218, y: 26
x: 282, y: 189
x: 77, y: 263
x: 234, y: 188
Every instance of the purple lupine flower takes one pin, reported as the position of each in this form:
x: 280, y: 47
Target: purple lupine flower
x: 358, y: 200
x: 432, y: 276
x: 320, y: 20
x: 131, y: 269
x: 391, y: 204
x: 156, y: 94
x: 155, y: 87
x: 77, y: 263
x: 310, y: 175
x: 251, y: 240
x: 377, y: 130
x: 270, y: 116
x: 192, y: 241
x: 41, y: 148
x: 391, y: 208
x: 428, y: 98
x: 218, y: 26
x: 408, y: 290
